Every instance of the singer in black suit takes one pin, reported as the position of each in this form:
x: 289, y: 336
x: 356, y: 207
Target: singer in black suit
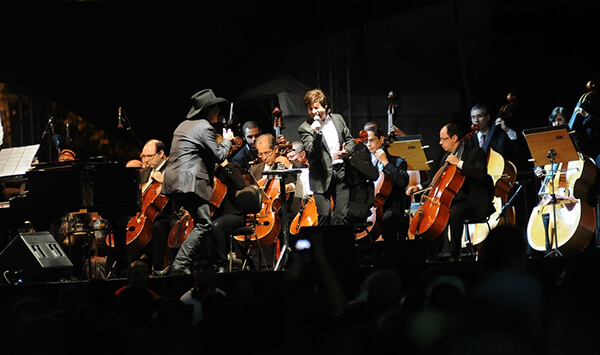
x: 327, y: 141
x: 474, y: 199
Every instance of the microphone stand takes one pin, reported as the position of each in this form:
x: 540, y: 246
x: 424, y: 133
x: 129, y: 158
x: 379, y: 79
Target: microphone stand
x: 130, y: 131
x: 285, y: 248
x: 508, y: 203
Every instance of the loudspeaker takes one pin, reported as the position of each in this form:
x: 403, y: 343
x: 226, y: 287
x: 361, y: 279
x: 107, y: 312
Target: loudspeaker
x: 33, y: 257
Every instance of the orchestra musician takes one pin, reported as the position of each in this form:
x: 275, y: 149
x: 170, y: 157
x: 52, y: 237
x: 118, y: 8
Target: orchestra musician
x: 228, y: 215
x: 154, y: 160
x: 394, y: 223
x: 189, y: 175
x: 474, y: 199
x: 504, y: 141
x: 268, y: 151
x: 247, y: 153
x: 327, y: 141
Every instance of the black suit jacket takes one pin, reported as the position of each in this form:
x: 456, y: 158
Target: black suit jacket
x: 478, y: 186
x: 396, y: 170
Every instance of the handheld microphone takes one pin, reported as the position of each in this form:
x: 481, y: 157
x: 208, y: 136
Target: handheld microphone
x: 317, y: 118
x: 120, y: 125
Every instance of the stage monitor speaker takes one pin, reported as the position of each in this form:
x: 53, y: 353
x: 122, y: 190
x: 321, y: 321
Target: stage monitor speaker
x: 32, y: 257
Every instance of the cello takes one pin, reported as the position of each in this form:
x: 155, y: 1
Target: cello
x: 139, y: 227
x: 432, y: 216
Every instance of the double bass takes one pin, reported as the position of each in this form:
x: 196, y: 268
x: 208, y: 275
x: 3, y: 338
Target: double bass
x: 504, y: 176
x: 432, y: 216
x: 564, y: 218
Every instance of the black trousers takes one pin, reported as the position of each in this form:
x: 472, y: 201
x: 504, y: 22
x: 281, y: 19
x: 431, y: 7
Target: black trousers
x: 339, y: 192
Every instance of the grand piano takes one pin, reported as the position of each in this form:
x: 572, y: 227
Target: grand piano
x: 53, y: 190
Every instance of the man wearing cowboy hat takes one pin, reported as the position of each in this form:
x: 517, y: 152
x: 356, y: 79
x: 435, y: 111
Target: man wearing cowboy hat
x: 189, y: 174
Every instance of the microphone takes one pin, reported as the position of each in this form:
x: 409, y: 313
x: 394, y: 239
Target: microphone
x: 120, y: 125
x: 317, y: 118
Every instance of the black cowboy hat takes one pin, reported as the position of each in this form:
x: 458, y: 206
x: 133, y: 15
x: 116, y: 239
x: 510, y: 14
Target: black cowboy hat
x: 203, y: 99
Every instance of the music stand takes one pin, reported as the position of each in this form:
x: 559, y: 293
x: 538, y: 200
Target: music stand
x: 553, y: 144
x: 285, y: 248
x: 412, y: 150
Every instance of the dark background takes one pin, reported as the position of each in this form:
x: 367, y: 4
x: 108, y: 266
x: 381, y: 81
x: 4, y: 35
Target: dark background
x: 150, y: 57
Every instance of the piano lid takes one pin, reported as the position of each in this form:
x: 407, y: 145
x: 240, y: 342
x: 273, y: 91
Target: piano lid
x: 55, y: 189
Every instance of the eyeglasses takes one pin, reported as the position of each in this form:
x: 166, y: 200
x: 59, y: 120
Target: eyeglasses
x: 372, y: 140
x: 443, y: 139
x: 266, y: 154
x: 478, y: 116
x: 147, y: 156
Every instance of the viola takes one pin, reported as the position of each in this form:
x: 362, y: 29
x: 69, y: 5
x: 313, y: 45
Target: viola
x: 432, y: 216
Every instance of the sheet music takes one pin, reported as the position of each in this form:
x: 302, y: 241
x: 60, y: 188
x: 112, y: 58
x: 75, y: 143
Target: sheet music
x: 17, y: 161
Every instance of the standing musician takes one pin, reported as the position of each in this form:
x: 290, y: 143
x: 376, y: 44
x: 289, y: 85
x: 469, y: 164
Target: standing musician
x: 247, y: 154
x: 268, y: 151
x: 327, y: 141
x: 395, y: 221
x: 188, y: 177
x: 505, y: 141
x: 474, y: 199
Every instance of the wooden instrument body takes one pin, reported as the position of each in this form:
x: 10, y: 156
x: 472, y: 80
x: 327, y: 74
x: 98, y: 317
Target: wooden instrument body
x: 383, y: 188
x: 306, y: 217
x: 432, y: 216
x: 504, y: 176
x: 575, y: 217
x: 139, y: 227
x: 268, y: 224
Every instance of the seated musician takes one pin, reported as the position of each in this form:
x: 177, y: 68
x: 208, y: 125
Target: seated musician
x: 268, y: 151
x: 154, y: 161
x: 362, y: 190
x: 394, y: 223
x: 474, y: 199
x: 247, y: 154
x: 228, y: 215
